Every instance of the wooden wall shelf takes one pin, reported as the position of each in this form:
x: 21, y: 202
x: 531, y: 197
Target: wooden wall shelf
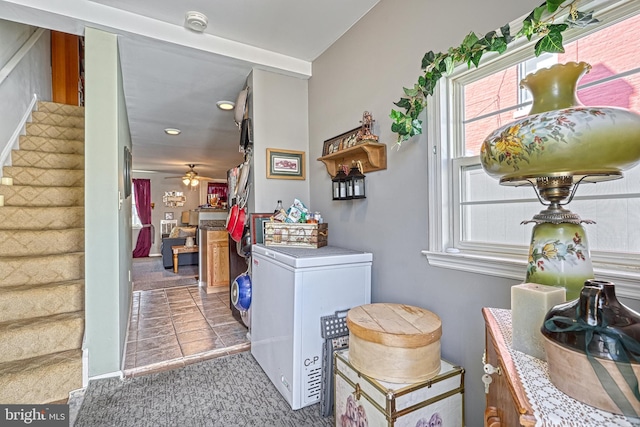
x: 372, y: 155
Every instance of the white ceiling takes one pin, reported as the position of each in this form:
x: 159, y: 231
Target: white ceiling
x: 173, y: 77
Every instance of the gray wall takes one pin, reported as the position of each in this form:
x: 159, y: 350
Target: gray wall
x: 366, y: 70
x: 31, y: 76
x: 158, y: 187
x: 279, y: 107
x: 107, y: 215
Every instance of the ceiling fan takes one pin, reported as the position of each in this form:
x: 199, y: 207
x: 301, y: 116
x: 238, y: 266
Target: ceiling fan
x: 191, y: 178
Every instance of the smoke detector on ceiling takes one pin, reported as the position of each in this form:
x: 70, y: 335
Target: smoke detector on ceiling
x: 196, y: 21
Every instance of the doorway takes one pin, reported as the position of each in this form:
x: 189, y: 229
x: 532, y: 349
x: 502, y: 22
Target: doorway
x: 174, y: 322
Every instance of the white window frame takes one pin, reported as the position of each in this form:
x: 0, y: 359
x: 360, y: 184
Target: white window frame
x: 444, y: 229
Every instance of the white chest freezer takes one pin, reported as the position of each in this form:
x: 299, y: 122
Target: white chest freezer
x: 292, y: 288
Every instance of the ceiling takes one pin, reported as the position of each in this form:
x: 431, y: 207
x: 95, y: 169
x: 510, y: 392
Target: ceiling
x: 174, y: 76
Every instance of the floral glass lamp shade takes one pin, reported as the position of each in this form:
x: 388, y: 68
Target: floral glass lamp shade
x: 558, y: 146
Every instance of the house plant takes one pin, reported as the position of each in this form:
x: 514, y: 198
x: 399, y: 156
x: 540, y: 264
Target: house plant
x: 541, y: 22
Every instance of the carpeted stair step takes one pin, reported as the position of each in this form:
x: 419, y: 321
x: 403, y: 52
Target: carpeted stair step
x: 22, y: 195
x: 37, y: 218
x: 44, y: 160
x: 40, y: 242
x: 40, y: 380
x: 26, y: 338
x: 46, y: 118
x: 57, y: 108
x: 41, y: 269
x: 44, y: 177
x: 51, y: 145
x: 57, y: 132
x: 25, y: 301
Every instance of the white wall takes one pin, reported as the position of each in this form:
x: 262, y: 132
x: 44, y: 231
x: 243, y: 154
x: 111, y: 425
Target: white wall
x: 158, y: 187
x: 107, y: 214
x: 366, y: 70
x: 279, y: 106
x: 31, y: 76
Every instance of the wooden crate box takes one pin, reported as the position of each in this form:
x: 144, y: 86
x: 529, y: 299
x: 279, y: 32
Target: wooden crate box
x: 301, y: 235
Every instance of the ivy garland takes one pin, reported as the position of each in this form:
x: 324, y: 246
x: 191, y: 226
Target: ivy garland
x: 540, y: 22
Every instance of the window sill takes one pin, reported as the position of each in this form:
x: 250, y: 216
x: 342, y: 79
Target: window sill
x: 625, y: 279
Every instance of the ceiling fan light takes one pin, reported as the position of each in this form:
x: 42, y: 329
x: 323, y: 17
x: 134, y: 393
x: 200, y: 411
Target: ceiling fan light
x: 186, y: 181
x: 172, y: 131
x: 194, y: 182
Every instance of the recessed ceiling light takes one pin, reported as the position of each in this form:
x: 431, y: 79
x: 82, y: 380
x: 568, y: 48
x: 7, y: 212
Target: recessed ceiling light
x: 172, y: 131
x: 225, y: 105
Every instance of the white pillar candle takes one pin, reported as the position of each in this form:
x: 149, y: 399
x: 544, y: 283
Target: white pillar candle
x: 7, y: 181
x: 530, y: 303
x: 1, y: 200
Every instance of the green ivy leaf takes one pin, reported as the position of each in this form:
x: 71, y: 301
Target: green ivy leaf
x: 553, y: 5
x: 428, y: 59
x: 403, y: 103
x: 581, y: 20
x: 552, y: 41
x: 448, y: 61
x: 499, y: 45
x: 538, y: 11
x: 396, y: 116
x: 416, y: 127
x: 527, y: 30
x: 505, y: 30
x: 475, y: 59
x: 411, y: 92
x: 422, y: 81
x: 470, y: 40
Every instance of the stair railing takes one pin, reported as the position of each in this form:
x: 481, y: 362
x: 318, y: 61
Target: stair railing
x: 12, y: 143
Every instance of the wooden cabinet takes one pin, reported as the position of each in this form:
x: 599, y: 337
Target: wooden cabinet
x: 507, y: 403
x: 217, y: 260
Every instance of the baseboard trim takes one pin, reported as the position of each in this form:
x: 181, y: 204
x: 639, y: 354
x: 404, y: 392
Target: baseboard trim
x: 118, y: 374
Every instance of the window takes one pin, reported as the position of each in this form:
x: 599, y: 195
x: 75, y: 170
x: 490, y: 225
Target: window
x: 479, y: 230
x: 135, y: 219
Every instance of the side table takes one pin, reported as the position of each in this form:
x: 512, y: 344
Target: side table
x: 181, y: 249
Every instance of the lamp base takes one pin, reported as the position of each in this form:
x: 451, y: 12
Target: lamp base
x: 559, y: 256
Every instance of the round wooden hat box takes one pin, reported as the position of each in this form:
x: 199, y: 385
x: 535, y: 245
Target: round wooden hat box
x: 394, y: 342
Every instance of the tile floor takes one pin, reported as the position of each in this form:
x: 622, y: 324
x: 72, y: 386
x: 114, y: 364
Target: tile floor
x: 176, y: 326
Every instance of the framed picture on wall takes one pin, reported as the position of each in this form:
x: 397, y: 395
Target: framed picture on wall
x: 285, y: 164
x: 168, y: 215
x: 340, y: 142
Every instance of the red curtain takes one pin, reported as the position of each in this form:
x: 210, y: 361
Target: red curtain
x: 142, y: 191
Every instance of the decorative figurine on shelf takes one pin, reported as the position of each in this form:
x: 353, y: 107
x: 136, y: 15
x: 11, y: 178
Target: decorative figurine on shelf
x: 365, y: 133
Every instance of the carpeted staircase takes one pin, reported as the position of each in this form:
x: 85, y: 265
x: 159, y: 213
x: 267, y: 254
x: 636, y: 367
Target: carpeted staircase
x: 42, y: 260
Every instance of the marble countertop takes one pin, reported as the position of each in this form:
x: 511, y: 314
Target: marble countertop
x: 213, y: 224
